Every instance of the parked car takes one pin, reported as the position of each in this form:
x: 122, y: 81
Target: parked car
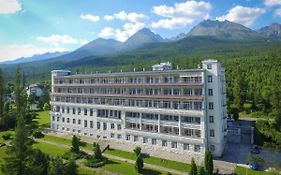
x: 254, y: 166
x: 255, y: 149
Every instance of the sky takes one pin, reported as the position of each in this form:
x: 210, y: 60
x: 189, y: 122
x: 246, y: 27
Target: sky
x: 29, y: 27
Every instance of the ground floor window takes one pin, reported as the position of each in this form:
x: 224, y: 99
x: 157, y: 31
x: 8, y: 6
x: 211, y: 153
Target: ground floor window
x: 128, y: 137
x: 185, y: 146
x: 174, y: 145
x: 164, y: 142
x: 153, y: 141
x: 145, y: 140
x: 197, y: 148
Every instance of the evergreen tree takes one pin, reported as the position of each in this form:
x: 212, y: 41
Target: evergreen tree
x: 97, y: 152
x: 18, y: 91
x: 202, y: 171
x: 193, y: 169
x: 18, y: 153
x: 38, y: 163
x: 71, y: 168
x: 56, y: 166
x: 44, y: 98
x: 139, y: 164
x: 75, y: 144
x: 2, y: 94
x: 209, y: 165
x: 137, y: 150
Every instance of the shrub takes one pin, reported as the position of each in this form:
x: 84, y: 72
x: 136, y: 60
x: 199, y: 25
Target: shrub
x: 193, y: 169
x: 97, y: 153
x: 73, y: 155
x: 38, y: 134
x: 94, y: 163
x: 46, y: 107
x: 7, y: 136
x: 137, y: 150
x: 139, y: 164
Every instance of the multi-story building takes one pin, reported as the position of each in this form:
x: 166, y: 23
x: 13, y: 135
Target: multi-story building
x: 181, y: 111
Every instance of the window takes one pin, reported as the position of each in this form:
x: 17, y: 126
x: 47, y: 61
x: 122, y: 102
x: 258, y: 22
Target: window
x: 211, y: 105
x: 210, y: 78
x: 119, y: 136
x: 209, y: 66
x: 79, y: 111
x: 91, y: 124
x: 73, y: 121
x: 153, y: 141
x: 73, y: 111
x: 119, y: 127
x: 85, y: 111
x: 211, y: 119
x: 104, y: 126
x: 63, y: 119
x: 85, y: 123
x: 174, y: 145
x: 53, y: 118
x: 197, y: 148
x: 67, y: 120
x: 98, y: 125
x: 58, y: 119
x: 145, y: 140
x: 91, y: 112
x: 79, y: 121
x: 210, y: 92
x: 212, y: 133
x: 185, y: 146
x: 136, y: 138
x: 164, y: 142
x: 112, y: 125
x: 112, y: 135
x: 128, y: 137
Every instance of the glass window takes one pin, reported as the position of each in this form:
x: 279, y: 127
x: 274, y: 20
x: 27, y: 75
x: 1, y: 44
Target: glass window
x: 210, y: 92
x: 112, y: 125
x: 85, y: 123
x: 145, y: 140
x: 212, y: 133
x: 210, y: 78
x: 174, y: 145
x: 136, y: 138
x: 112, y: 135
x: 209, y: 66
x: 197, y: 148
x: 211, y: 119
x: 211, y: 105
x: 128, y: 137
x: 164, y: 142
x: 185, y: 146
x: 98, y: 125
x: 91, y: 124
x: 153, y: 141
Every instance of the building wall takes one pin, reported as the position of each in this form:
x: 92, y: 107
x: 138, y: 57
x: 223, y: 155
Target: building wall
x: 132, y: 125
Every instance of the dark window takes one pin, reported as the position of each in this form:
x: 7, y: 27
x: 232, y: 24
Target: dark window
x: 210, y: 92
x: 210, y: 78
x: 211, y: 119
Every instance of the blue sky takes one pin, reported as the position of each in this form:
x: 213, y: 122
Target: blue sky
x: 30, y: 27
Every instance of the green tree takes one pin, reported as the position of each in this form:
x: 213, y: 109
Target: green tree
x: 193, y: 168
x: 2, y: 94
x: 18, y: 153
x: 139, y: 164
x: 18, y: 91
x: 71, y: 168
x: 75, y: 144
x: 97, y: 152
x: 209, y: 165
x: 202, y: 171
x: 44, y: 98
x: 56, y: 166
x: 46, y: 107
x: 137, y: 150
x: 38, y: 163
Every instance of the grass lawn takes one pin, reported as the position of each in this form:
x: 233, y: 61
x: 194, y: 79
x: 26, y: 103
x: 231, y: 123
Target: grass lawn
x: 247, y: 171
x: 50, y: 149
x: 43, y: 119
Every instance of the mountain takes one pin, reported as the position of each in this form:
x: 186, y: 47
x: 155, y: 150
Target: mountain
x: 225, y: 30
x: 37, y: 57
x: 141, y: 37
x: 273, y: 31
x: 178, y: 37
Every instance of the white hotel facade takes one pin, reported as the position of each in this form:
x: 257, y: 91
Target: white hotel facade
x: 179, y: 111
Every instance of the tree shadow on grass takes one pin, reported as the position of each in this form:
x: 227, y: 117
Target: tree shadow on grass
x: 111, y: 162
x: 83, y: 144
x: 150, y: 172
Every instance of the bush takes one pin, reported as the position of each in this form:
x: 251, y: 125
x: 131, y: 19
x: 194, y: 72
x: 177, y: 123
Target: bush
x: 94, y: 163
x: 73, y: 155
x: 137, y: 150
x: 38, y: 134
x: 46, y: 107
x: 7, y: 136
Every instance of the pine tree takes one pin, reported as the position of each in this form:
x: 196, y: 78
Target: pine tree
x: 71, y: 168
x: 75, y: 144
x: 18, y: 91
x: 209, y: 165
x: 18, y: 153
x: 193, y: 169
x: 202, y: 171
x: 2, y: 94
x: 139, y: 164
x: 56, y: 166
x: 97, y: 152
x: 137, y: 150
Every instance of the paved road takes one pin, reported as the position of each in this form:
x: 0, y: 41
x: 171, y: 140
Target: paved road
x: 120, y: 159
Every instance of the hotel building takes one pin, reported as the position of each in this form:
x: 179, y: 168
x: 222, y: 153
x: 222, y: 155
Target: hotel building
x: 179, y: 111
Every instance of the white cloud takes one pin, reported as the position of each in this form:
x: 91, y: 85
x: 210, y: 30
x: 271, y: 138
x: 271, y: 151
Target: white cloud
x: 90, y: 17
x: 11, y: 52
x: 108, y: 17
x: 181, y: 14
x: 57, y: 39
x: 106, y: 32
x: 9, y: 6
x: 272, y: 2
x: 278, y: 12
x: 122, y: 34
x: 242, y: 15
x: 124, y: 16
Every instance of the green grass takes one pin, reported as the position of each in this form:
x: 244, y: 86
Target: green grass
x: 151, y: 160
x: 247, y: 171
x: 83, y: 171
x: 50, y: 149
x: 43, y: 119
